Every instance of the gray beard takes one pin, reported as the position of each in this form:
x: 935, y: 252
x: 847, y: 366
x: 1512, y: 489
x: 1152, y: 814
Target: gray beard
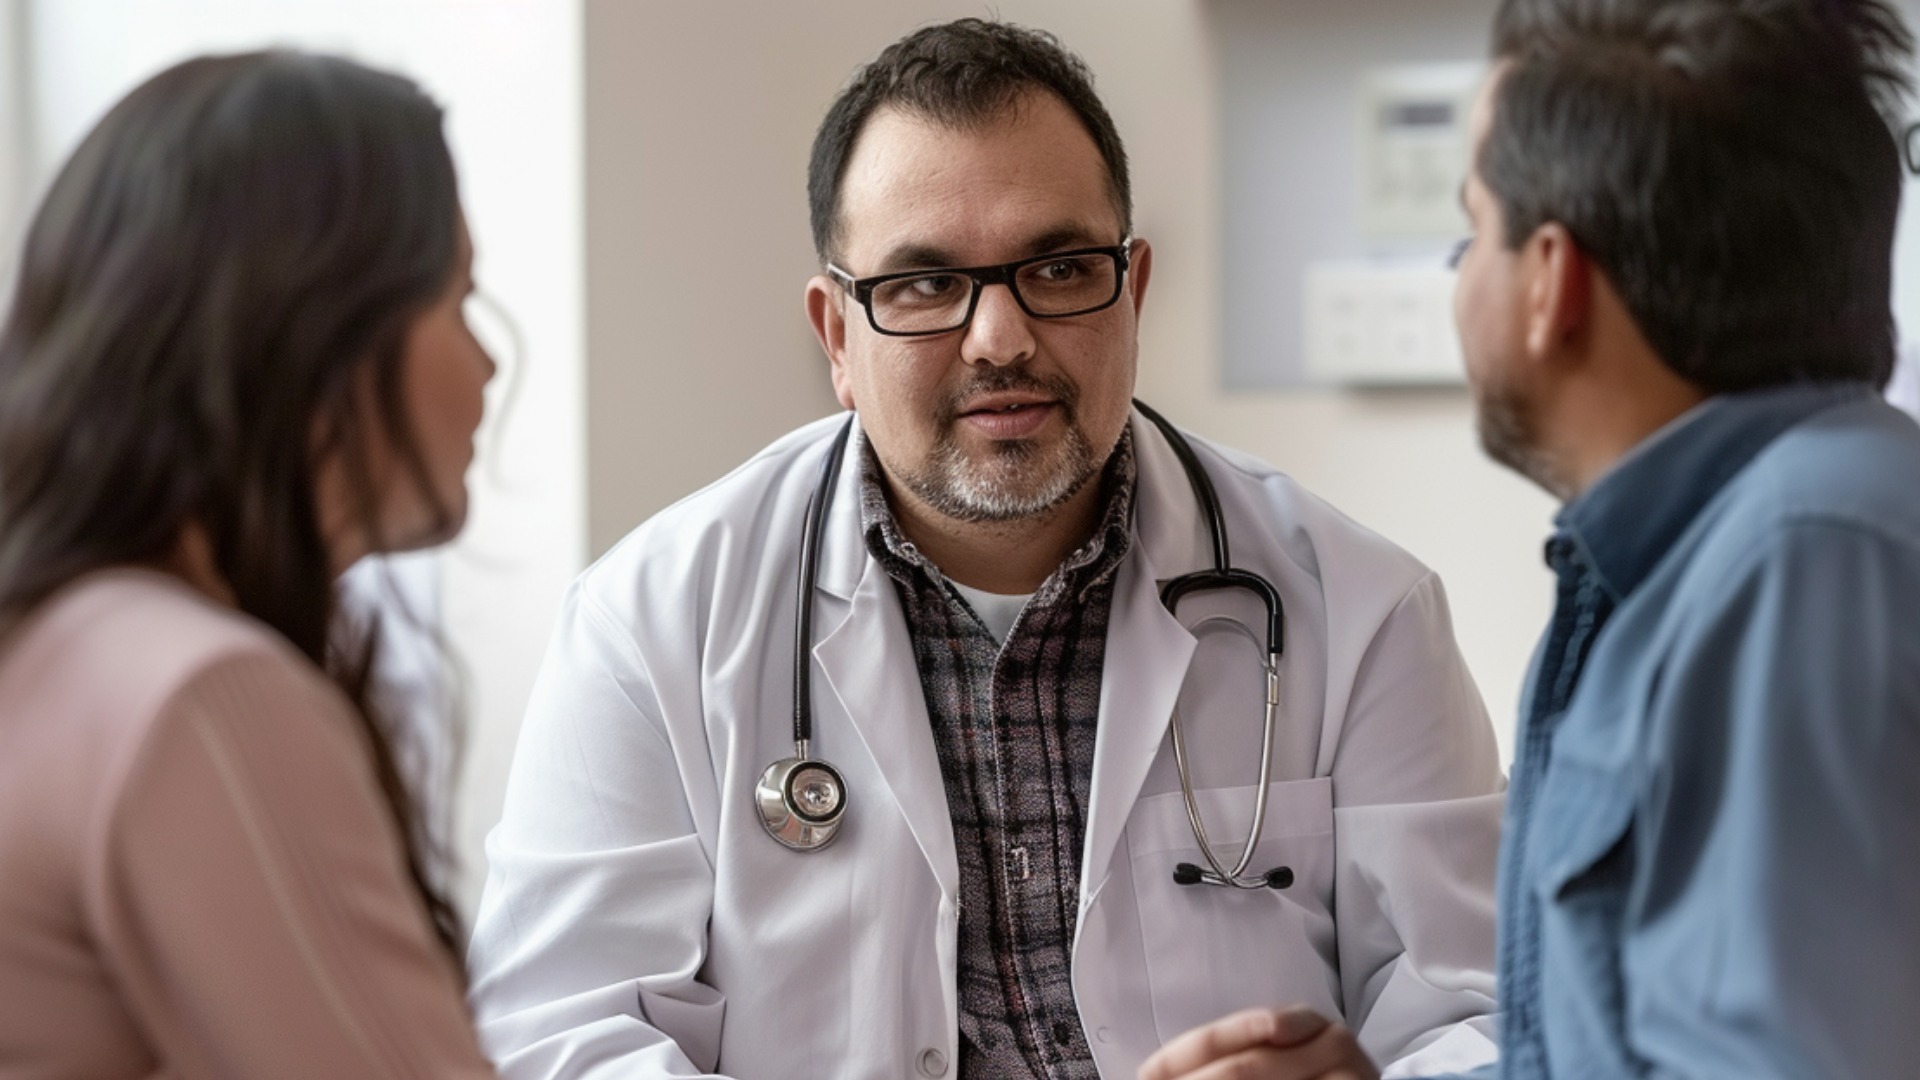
x: 1015, y: 482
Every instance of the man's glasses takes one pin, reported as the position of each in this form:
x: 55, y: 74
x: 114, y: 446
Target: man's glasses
x: 1055, y: 286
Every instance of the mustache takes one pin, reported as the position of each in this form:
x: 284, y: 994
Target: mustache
x: 996, y: 380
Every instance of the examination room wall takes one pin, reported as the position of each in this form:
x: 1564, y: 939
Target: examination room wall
x: 698, y: 121
x: 635, y: 173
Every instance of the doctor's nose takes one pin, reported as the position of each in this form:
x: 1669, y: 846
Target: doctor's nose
x: 1001, y: 332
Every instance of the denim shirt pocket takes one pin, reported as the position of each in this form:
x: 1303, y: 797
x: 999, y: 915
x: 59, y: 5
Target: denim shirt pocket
x: 1583, y: 812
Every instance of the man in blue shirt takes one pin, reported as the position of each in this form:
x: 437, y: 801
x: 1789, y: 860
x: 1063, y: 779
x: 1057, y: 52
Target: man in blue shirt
x: 1675, y: 318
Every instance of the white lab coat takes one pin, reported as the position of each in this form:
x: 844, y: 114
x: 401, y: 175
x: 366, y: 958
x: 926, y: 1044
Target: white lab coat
x: 639, y: 923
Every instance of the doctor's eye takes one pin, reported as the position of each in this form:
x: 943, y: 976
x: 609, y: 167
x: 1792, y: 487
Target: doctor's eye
x: 1060, y: 271
x: 925, y: 289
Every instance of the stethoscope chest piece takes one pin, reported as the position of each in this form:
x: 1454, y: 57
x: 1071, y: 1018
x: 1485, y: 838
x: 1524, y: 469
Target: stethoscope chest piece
x: 801, y: 802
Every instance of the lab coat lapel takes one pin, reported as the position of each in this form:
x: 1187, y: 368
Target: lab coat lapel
x: 869, y: 666
x: 1147, y: 652
x: 869, y: 663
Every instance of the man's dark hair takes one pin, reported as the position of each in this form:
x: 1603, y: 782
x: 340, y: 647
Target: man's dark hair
x: 962, y: 74
x: 1730, y: 165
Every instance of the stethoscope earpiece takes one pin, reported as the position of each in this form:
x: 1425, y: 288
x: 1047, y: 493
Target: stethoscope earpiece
x: 1186, y: 873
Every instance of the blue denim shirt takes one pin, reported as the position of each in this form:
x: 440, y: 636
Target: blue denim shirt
x: 1711, y: 863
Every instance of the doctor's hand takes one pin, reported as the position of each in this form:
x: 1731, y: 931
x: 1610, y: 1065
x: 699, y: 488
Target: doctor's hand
x: 1263, y: 1044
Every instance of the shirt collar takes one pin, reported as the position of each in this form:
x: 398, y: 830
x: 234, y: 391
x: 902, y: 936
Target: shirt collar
x: 1627, y: 520
x: 1089, y: 564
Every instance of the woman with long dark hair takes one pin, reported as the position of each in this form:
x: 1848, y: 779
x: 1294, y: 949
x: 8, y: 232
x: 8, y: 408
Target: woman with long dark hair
x: 235, y: 362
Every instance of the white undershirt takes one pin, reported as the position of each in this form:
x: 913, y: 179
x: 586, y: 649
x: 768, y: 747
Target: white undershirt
x: 997, y: 610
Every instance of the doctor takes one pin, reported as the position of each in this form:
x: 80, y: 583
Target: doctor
x: 992, y: 679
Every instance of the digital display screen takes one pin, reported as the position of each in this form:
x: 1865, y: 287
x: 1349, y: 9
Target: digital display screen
x: 1417, y: 114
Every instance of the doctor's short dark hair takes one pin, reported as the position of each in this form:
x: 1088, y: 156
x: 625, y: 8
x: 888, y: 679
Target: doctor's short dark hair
x: 962, y: 74
x: 1731, y: 165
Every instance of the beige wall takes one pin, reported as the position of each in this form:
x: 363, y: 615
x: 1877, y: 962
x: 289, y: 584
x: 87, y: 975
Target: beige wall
x: 699, y: 117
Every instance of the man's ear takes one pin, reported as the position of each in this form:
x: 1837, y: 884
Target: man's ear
x: 1139, y: 269
x: 1559, y: 290
x: 827, y: 314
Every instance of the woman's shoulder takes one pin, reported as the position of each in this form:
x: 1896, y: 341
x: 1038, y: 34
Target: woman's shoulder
x: 118, y: 670
x: 106, y: 654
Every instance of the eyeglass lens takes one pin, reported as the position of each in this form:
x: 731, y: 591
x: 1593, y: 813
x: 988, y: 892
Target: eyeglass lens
x: 931, y: 302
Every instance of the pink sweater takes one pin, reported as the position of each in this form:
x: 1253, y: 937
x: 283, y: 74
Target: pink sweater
x: 198, y: 876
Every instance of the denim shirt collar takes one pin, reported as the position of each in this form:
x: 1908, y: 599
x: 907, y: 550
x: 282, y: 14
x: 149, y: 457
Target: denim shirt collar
x: 1627, y: 520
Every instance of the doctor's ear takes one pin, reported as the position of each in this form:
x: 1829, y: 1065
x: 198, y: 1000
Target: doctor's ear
x: 1139, y: 270
x: 827, y: 314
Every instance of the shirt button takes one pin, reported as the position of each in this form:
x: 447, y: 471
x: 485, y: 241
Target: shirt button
x: 933, y: 1063
x: 1105, y: 1035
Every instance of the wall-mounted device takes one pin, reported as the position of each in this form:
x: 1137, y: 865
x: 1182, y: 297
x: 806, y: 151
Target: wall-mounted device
x: 1387, y: 320
x: 1414, y: 147
x: 1343, y: 143
x: 1381, y: 324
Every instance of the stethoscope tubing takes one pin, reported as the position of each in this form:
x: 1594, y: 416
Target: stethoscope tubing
x: 783, y: 819
x: 1178, y: 730
x: 813, y: 536
x: 1223, y: 576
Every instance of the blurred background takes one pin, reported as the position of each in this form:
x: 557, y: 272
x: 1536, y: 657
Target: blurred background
x: 634, y: 176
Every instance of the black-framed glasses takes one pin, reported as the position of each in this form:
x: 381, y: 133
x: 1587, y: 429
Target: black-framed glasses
x: 1055, y: 286
x: 1910, y: 143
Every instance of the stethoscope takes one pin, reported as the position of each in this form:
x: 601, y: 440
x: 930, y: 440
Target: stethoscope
x: 802, y: 799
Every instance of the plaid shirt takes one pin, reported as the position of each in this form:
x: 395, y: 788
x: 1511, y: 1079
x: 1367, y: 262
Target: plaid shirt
x: 1014, y: 727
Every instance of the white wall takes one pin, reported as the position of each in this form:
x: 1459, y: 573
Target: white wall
x: 699, y: 117
x: 1906, y: 251
x: 15, y: 138
x: 508, y: 72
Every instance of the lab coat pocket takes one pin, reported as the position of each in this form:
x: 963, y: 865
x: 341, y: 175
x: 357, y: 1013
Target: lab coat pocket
x: 1211, y: 950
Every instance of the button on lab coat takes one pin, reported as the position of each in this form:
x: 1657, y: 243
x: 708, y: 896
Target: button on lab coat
x: 638, y: 922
